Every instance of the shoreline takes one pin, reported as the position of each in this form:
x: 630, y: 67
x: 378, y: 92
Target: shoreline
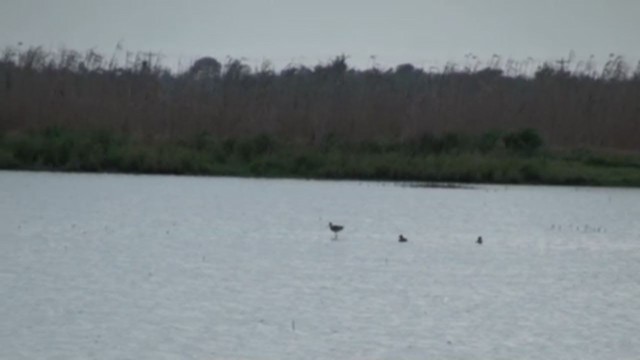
x: 62, y: 150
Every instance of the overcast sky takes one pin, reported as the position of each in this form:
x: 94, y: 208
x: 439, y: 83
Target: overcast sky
x: 396, y: 31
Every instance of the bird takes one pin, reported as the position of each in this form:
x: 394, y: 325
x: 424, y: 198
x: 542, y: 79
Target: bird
x: 402, y: 238
x: 336, y: 229
x: 479, y: 241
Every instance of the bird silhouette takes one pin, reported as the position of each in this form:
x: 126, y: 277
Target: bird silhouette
x: 336, y: 229
x: 479, y: 241
x: 402, y: 238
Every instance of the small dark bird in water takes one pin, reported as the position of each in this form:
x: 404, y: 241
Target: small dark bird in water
x: 336, y: 229
x: 402, y: 238
x: 479, y: 241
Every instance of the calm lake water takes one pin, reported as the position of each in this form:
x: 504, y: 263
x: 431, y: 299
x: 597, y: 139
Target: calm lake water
x: 166, y: 267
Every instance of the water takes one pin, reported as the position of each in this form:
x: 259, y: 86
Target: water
x: 162, y: 267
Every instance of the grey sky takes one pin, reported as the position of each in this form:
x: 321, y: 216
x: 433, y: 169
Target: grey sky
x: 417, y: 31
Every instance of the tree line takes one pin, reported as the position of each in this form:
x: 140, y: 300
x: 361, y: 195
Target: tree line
x: 569, y: 105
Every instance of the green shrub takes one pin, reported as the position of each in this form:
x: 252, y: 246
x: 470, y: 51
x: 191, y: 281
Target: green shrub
x: 305, y: 164
x: 527, y: 141
x: 257, y: 146
x: 489, y: 141
x: 530, y: 173
x: 7, y: 160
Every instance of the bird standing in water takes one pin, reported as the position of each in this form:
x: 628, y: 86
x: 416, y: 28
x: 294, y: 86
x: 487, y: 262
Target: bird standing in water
x: 336, y: 229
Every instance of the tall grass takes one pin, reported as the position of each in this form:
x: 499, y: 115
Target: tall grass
x: 571, y: 104
x: 67, y: 110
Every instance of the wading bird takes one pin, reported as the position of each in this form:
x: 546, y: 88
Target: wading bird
x: 336, y: 229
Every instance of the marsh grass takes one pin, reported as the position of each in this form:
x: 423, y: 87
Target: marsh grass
x: 571, y: 103
x: 475, y: 122
x: 430, y: 159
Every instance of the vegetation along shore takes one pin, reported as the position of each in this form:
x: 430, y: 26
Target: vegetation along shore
x: 493, y: 122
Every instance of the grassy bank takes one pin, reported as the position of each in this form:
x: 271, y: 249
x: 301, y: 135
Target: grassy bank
x: 492, y: 158
x: 70, y: 111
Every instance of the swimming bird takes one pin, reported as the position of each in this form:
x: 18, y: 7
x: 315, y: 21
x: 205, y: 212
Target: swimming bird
x: 336, y: 229
x: 402, y: 238
x: 479, y: 241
